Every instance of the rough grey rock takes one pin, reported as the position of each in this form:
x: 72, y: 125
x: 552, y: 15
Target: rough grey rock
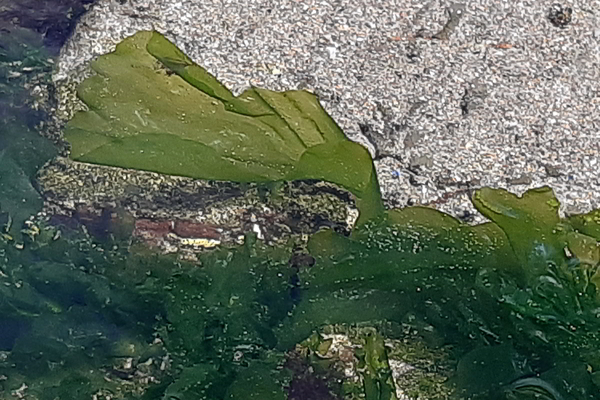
x: 487, y: 90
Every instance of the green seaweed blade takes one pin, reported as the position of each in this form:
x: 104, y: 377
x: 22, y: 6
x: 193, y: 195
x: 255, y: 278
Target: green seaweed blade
x: 152, y: 108
x: 531, y: 222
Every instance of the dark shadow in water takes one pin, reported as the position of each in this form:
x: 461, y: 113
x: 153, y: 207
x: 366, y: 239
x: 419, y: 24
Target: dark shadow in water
x: 53, y: 19
x: 12, y: 328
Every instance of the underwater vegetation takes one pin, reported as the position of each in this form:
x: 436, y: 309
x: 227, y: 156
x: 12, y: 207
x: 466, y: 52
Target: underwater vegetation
x: 22, y: 150
x: 509, y: 309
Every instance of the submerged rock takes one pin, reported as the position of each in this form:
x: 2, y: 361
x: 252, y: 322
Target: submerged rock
x: 178, y: 213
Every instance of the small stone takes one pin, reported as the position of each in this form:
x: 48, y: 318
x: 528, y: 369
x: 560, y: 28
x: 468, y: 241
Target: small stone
x: 560, y: 16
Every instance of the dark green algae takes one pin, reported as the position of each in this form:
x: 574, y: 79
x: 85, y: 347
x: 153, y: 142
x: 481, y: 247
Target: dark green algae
x: 230, y: 318
x: 513, y: 301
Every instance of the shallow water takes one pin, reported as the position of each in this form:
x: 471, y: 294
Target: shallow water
x: 507, y: 310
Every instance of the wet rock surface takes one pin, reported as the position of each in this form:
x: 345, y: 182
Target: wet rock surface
x: 178, y: 213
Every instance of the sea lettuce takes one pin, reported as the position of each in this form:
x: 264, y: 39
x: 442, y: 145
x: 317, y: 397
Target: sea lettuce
x: 527, y: 279
x: 228, y: 320
x: 152, y: 108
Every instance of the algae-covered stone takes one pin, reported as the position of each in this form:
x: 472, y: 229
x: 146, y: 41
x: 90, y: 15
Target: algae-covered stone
x: 189, y: 215
x: 380, y: 361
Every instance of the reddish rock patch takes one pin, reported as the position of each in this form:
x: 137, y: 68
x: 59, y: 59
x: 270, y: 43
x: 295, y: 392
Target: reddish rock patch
x: 190, y: 229
x: 152, y: 229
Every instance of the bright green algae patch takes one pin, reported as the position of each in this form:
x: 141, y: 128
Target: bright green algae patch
x: 152, y: 108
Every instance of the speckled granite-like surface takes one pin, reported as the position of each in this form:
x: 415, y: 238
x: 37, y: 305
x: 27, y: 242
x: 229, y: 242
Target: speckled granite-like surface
x: 447, y: 96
